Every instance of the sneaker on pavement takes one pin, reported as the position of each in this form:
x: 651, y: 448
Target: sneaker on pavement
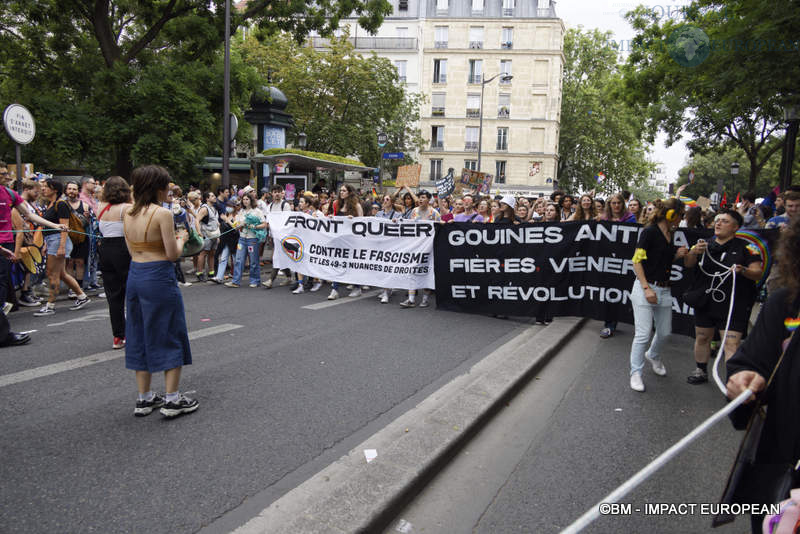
x: 355, y: 293
x: 183, y: 405
x: 144, y: 407
x: 71, y: 294
x: 27, y: 299
x: 7, y: 307
x: 254, y: 284
x: 119, y: 343
x: 300, y: 289
x: 334, y: 295
x: 658, y: 366
x: 214, y: 280
x: 267, y: 284
x: 636, y: 382
x: 606, y: 333
x: 44, y: 311
x: 384, y: 298
x: 408, y: 303
x: 101, y: 295
x: 424, y: 303
x: 698, y: 376
x: 316, y: 287
x: 231, y: 284
x: 365, y: 288
x: 184, y: 284
x: 80, y: 303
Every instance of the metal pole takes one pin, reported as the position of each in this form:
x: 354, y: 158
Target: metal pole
x: 380, y: 171
x: 18, y: 151
x: 226, y: 97
x: 480, y: 127
x: 789, y: 142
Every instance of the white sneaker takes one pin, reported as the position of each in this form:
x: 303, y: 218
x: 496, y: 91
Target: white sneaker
x: 184, y: 284
x: 267, y: 284
x: 424, y: 303
x: 658, y: 366
x: 334, y: 295
x: 299, y: 290
x: 384, y: 298
x: 355, y: 293
x: 316, y: 287
x: 365, y: 288
x: 636, y: 382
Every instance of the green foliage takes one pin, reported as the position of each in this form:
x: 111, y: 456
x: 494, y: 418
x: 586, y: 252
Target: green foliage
x: 340, y: 99
x: 116, y: 83
x: 733, y: 98
x: 599, y: 131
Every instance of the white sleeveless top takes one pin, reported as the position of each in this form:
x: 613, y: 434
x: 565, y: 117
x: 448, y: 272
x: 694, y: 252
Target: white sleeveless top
x: 112, y: 228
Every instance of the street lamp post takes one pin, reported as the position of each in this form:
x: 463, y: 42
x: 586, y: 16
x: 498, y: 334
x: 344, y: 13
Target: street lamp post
x: 734, y: 173
x: 791, y: 115
x: 504, y: 77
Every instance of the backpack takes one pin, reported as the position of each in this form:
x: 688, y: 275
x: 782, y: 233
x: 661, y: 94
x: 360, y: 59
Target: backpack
x: 77, y: 227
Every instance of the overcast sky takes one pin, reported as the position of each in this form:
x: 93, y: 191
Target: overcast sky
x: 608, y: 15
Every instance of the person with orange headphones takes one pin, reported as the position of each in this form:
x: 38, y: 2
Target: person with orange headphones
x: 651, y: 295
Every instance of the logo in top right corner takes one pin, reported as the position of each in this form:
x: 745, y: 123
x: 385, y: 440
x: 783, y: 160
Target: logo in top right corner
x: 688, y: 46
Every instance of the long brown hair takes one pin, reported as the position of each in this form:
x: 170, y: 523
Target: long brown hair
x: 351, y: 202
x: 789, y: 259
x: 147, y: 181
x: 580, y: 213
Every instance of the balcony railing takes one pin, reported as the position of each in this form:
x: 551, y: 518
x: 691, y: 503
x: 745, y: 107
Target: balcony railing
x: 471, y: 146
x: 503, y: 113
x: 440, y: 44
x: 473, y: 113
x: 502, y: 147
x: 372, y: 43
x: 476, y: 44
x: 508, y: 11
x: 437, y: 111
x: 441, y: 79
x: 508, y: 45
x: 474, y: 78
x: 546, y: 13
x: 437, y: 147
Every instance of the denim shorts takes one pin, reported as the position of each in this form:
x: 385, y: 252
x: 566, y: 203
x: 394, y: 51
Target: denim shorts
x: 53, y: 239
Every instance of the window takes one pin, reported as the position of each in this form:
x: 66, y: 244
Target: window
x: 439, y: 71
x: 499, y: 172
x: 436, y: 169
x: 402, y: 5
x: 504, y: 106
x: 477, y: 6
x: 507, y: 38
x: 508, y: 7
x: 502, y: 138
x: 437, y: 104
x: 437, y: 137
x: 440, y: 37
x: 401, y: 66
x: 471, y: 164
x: 473, y: 105
x: 471, y: 140
x: 402, y: 32
x: 475, y: 71
x: 476, y: 37
x: 441, y: 6
x: 505, y: 68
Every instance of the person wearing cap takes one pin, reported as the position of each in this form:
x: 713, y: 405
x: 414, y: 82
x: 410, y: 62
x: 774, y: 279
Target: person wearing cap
x: 423, y: 212
x: 506, y: 213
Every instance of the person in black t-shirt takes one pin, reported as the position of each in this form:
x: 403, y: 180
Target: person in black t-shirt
x: 651, y: 296
x: 714, y: 260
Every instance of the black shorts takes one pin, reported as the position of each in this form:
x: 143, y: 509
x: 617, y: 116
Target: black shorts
x: 80, y: 252
x: 717, y: 317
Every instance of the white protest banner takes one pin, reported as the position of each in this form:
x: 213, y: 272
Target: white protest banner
x: 361, y: 251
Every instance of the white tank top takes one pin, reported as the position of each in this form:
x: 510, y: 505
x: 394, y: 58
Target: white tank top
x: 112, y: 228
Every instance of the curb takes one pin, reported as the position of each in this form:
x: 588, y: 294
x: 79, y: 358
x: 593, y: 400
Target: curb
x: 351, y: 495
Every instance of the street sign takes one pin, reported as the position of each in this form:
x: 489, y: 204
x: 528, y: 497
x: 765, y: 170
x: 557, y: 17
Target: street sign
x: 234, y: 126
x: 392, y: 155
x: 382, y: 139
x: 19, y: 124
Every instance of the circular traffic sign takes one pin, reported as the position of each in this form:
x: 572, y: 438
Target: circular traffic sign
x: 382, y: 139
x: 19, y: 124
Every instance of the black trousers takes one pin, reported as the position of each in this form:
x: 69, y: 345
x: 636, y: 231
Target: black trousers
x: 115, y: 261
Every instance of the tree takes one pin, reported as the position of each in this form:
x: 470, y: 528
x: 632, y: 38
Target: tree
x: 115, y: 83
x: 715, y: 72
x: 340, y: 99
x: 599, y: 132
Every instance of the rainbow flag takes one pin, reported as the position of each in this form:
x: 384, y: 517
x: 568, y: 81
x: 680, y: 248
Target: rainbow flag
x: 688, y: 202
x: 600, y: 177
x: 758, y: 243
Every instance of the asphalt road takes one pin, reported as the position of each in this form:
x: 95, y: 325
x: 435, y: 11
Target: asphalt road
x: 283, y: 390
x: 571, y: 437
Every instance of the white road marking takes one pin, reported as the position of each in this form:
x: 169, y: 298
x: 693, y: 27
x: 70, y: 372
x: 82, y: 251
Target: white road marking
x: 77, y: 363
x: 343, y: 299
x: 93, y: 316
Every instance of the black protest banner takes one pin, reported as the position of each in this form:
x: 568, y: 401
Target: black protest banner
x: 550, y: 269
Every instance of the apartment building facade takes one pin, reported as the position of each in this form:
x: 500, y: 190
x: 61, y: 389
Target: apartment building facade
x: 453, y: 50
